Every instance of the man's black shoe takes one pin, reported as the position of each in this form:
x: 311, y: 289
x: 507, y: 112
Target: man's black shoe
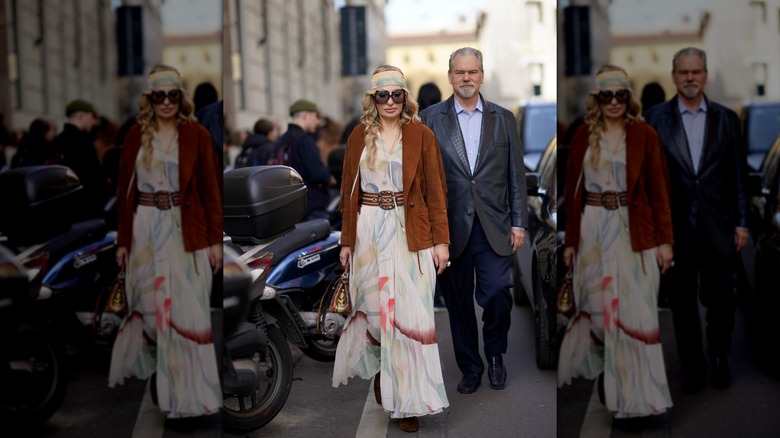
x: 496, y: 372
x: 469, y: 383
x: 693, y: 385
x: 721, y: 374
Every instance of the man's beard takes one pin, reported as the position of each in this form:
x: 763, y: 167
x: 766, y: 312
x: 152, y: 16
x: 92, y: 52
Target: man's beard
x: 466, y: 92
x: 691, y: 91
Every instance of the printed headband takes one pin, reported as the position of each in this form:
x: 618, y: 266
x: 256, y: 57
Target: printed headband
x: 390, y: 77
x: 165, y: 77
x: 609, y: 78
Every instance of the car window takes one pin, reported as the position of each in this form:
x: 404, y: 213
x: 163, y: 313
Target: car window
x: 547, y: 165
x: 763, y: 126
x: 539, y: 124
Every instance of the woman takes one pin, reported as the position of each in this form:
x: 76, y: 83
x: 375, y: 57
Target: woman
x: 170, y: 242
x: 618, y: 234
x: 395, y: 240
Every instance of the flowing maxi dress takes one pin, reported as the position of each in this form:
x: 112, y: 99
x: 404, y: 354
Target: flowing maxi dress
x: 168, y: 326
x: 392, y: 326
x: 615, y: 328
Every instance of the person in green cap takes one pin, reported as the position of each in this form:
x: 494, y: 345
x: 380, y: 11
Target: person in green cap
x: 298, y: 149
x: 74, y: 147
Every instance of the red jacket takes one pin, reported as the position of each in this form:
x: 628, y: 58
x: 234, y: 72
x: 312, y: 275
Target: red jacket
x: 201, y: 197
x: 649, y: 211
x: 425, y: 189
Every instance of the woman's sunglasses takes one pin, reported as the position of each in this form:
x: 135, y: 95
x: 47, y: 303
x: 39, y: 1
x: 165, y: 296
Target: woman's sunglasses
x: 605, y: 97
x: 157, y: 97
x: 382, y: 96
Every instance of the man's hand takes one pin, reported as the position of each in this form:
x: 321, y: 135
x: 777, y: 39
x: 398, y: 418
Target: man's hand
x: 741, y: 236
x: 518, y: 238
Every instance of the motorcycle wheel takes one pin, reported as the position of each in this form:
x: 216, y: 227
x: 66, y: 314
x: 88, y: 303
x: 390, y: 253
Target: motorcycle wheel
x: 246, y: 414
x: 321, y: 350
x: 37, y: 379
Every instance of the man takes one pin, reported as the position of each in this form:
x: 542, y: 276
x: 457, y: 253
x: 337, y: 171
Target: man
x: 298, y: 149
x: 708, y: 179
x: 76, y: 150
x: 486, y: 197
x: 258, y: 148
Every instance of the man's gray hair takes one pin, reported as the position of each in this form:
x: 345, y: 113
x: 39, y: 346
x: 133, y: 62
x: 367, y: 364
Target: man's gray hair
x: 466, y: 51
x: 689, y: 51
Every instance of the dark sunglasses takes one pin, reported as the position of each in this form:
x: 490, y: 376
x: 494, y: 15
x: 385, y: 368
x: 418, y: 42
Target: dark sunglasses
x: 605, y: 97
x: 157, y: 97
x: 382, y: 96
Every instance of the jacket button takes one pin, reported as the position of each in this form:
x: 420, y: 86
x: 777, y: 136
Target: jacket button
x: 473, y: 182
x: 411, y: 204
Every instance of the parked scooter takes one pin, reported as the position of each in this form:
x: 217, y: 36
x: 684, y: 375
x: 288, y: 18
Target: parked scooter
x: 33, y: 370
x: 80, y: 253
x: 257, y: 367
x: 261, y: 207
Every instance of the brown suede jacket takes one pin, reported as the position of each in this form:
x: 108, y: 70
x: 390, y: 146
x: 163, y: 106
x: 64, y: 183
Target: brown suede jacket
x: 201, y: 196
x: 649, y: 211
x: 424, y: 188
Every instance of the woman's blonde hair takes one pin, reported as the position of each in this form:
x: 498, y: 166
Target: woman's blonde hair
x: 594, y: 119
x: 148, y: 120
x: 370, y: 117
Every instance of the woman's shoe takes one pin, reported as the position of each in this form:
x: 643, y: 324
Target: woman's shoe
x: 410, y: 424
x: 378, y: 388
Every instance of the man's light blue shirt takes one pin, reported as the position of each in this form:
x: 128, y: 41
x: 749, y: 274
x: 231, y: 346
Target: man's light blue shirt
x: 693, y: 122
x: 471, y: 128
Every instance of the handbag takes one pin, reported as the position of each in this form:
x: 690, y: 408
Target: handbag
x: 337, y: 300
x: 117, y: 297
x: 565, y: 300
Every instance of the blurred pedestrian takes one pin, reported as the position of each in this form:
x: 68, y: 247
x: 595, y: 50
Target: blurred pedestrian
x: 205, y: 95
x: 487, y: 210
x: 428, y: 95
x: 169, y: 242
x: 75, y: 146
x: 212, y: 116
x: 652, y: 94
x: 328, y: 135
x: 301, y: 152
x: 258, y: 147
x: 394, y: 242
x: 618, y: 243
x: 708, y: 174
x: 37, y: 145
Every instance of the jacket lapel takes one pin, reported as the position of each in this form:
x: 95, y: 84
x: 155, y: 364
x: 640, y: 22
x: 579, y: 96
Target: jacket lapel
x: 412, y: 142
x: 634, y: 155
x: 187, y: 156
x: 681, y: 151
x: 710, y: 134
x: 488, y: 122
x: 455, y: 134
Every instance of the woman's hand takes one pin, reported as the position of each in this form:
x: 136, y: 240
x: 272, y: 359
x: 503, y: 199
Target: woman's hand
x: 215, y: 256
x: 664, y: 257
x: 568, y: 257
x: 441, y: 256
x: 121, y: 256
x: 345, y: 256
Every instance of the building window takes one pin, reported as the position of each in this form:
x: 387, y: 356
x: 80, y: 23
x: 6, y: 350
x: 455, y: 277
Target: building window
x: 534, y: 9
x: 758, y: 12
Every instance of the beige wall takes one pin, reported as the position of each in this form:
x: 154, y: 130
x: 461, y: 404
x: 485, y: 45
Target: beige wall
x: 426, y: 58
x: 198, y: 59
x: 66, y: 50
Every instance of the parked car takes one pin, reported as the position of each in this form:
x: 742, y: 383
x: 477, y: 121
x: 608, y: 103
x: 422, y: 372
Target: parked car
x: 537, y: 123
x: 765, y: 229
x: 535, y: 265
x: 760, y: 125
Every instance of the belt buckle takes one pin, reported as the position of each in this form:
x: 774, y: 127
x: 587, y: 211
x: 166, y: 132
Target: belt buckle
x: 385, y: 200
x: 609, y: 200
x: 162, y: 200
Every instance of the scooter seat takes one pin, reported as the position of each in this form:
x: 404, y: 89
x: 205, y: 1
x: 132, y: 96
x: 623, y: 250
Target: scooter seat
x: 78, y: 235
x: 303, y: 234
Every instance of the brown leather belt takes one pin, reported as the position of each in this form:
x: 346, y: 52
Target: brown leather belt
x: 608, y: 200
x: 161, y: 200
x: 383, y: 199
